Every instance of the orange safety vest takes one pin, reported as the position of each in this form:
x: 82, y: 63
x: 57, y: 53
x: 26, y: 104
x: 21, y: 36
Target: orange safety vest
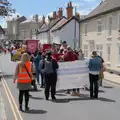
x: 23, y: 76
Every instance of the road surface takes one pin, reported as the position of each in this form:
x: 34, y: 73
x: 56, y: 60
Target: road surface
x: 107, y: 107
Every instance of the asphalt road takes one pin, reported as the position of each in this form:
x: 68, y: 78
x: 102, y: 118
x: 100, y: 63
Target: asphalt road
x: 107, y: 107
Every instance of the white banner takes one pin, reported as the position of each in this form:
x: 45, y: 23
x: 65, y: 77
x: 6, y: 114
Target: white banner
x: 72, y: 75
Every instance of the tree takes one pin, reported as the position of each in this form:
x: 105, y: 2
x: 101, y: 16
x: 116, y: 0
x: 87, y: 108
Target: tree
x: 5, y: 8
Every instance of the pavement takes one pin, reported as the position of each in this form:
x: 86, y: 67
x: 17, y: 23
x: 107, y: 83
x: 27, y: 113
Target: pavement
x: 66, y: 107
x: 112, y: 78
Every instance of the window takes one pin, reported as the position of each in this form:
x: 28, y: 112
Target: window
x: 14, y: 29
x: 92, y: 45
x: 86, y: 25
x: 110, y: 26
x: 99, y: 49
x: 118, y: 21
x: 99, y: 26
x: 119, y: 53
x: 108, y: 52
x: 86, y: 50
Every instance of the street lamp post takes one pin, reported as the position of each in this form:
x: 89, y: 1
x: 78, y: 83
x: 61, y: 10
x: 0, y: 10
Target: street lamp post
x: 75, y: 39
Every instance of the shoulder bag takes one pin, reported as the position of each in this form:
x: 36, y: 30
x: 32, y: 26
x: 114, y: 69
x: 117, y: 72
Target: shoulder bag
x: 28, y: 72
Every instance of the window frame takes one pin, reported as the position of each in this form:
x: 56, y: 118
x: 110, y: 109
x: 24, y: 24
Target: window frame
x: 109, y: 53
x: 110, y: 26
x: 118, y: 54
x: 100, y: 49
x: 119, y: 21
x: 99, y: 25
x: 85, y: 29
x: 85, y: 48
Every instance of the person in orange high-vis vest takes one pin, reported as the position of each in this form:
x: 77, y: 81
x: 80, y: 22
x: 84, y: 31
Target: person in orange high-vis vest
x: 23, y: 76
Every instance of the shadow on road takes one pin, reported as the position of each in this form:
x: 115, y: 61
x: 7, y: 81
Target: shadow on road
x: 33, y: 111
x: 110, y: 87
x: 106, y: 99
x: 36, y: 98
x: 101, y: 91
x: 82, y: 97
x: 58, y: 94
x: 66, y: 100
x: 32, y: 90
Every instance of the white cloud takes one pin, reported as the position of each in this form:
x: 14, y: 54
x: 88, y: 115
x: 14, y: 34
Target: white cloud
x: 50, y: 15
x: 86, y: 11
x: 12, y: 16
x: 3, y: 21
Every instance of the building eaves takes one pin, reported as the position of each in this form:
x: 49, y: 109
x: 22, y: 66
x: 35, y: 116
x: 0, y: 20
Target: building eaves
x: 40, y: 27
x: 66, y: 23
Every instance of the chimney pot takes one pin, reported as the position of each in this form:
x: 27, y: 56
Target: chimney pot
x: 60, y: 13
x: 69, y: 10
x: 54, y: 15
x: 43, y: 18
x: 70, y: 4
x: 36, y: 17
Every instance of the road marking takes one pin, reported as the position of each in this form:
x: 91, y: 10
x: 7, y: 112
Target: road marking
x: 10, y: 102
x: 21, y: 118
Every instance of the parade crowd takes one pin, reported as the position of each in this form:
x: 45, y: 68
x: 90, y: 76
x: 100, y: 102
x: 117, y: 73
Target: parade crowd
x: 44, y: 64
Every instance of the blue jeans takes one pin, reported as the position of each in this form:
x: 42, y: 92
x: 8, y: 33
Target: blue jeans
x: 37, y: 75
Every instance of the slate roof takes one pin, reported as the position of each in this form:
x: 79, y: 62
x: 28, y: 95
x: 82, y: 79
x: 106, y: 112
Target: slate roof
x: 62, y: 25
x: 49, y: 26
x: 21, y: 19
x: 104, y: 7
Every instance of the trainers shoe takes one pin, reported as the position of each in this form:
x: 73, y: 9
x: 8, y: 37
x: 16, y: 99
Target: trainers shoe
x: 73, y: 94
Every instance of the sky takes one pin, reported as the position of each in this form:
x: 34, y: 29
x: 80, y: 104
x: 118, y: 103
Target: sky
x: 46, y: 7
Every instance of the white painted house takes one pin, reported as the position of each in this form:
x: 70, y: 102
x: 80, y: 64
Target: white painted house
x: 61, y: 28
x: 69, y: 32
x: 100, y: 31
x: 44, y: 34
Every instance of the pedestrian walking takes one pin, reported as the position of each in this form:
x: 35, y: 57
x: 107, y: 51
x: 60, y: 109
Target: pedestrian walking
x: 23, y: 76
x: 36, y: 62
x: 101, y: 77
x: 50, y: 69
x: 42, y: 72
x: 94, y: 72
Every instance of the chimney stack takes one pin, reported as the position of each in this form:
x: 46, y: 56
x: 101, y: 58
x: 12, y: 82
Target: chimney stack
x: 36, y: 17
x: 54, y: 15
x: 60, y: 12
x: 69, y: 10
x: 43, y: 19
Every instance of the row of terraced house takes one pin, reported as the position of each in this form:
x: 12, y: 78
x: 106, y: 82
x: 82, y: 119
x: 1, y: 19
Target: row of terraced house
x: 99, y: 30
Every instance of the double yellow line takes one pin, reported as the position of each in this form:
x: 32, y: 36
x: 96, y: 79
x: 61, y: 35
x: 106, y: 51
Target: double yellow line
x: 11, y: 100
